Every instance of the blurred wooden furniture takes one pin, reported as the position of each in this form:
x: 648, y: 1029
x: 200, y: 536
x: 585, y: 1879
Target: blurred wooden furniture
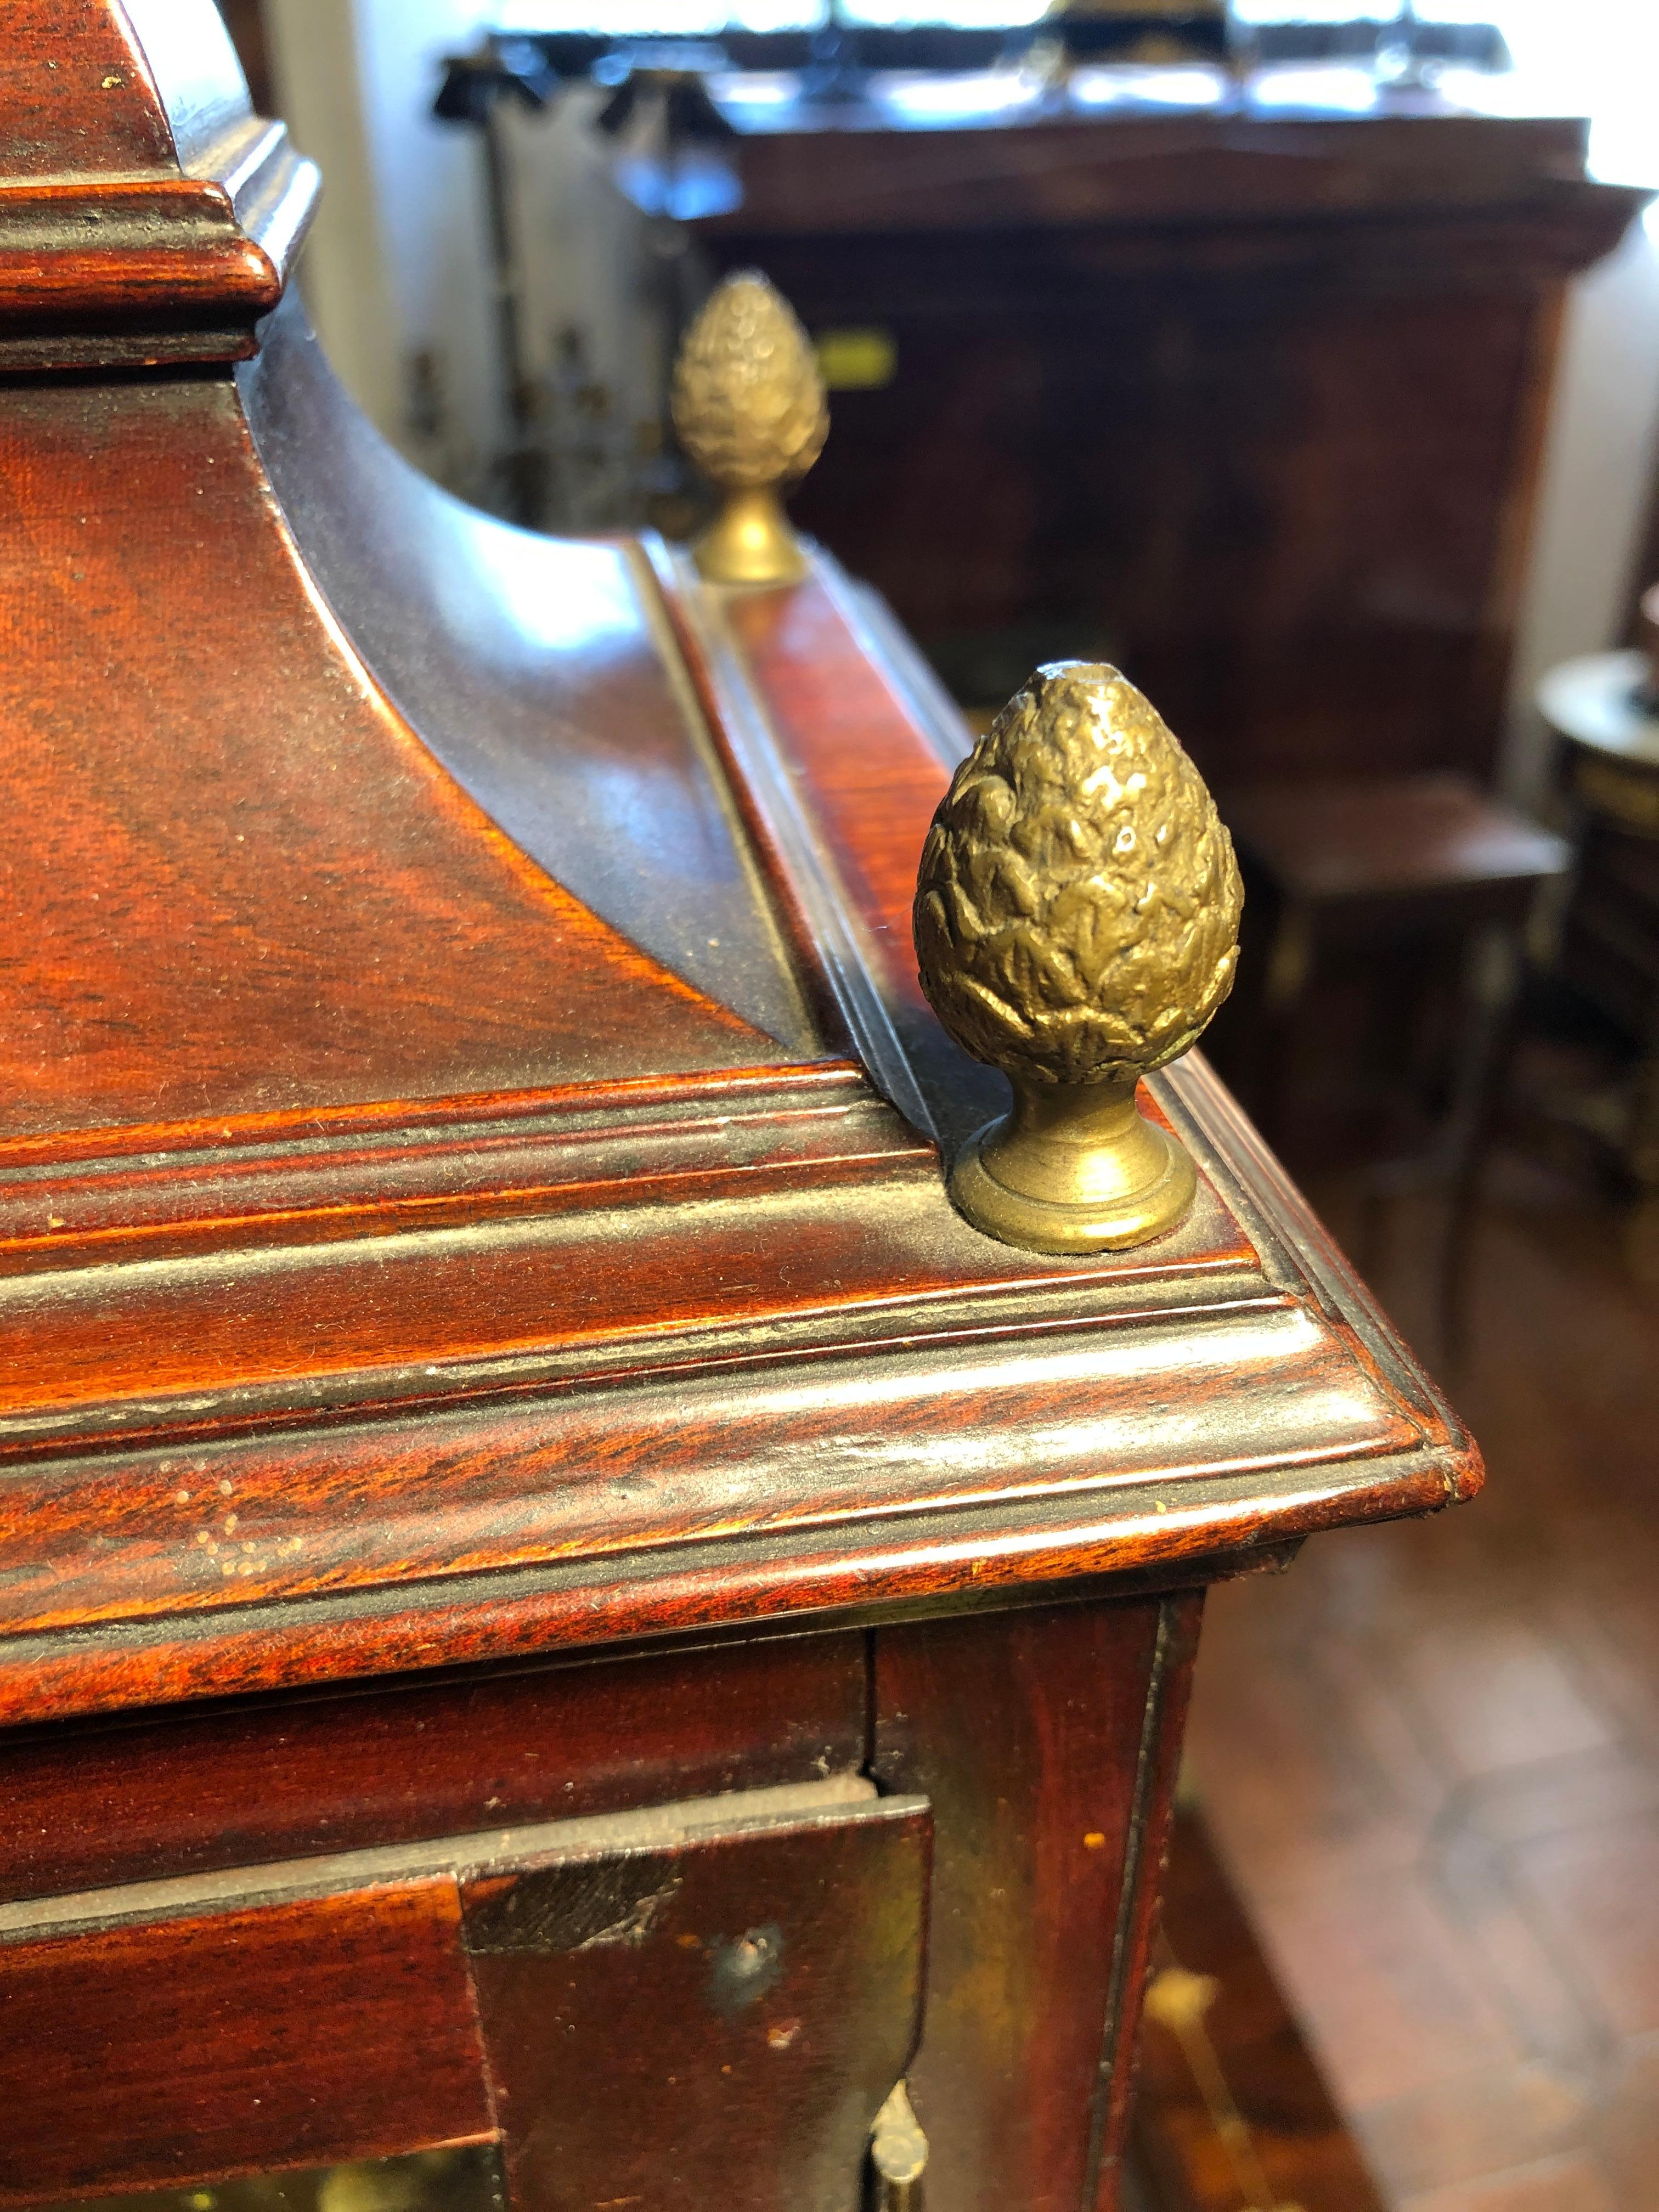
x: 1233, y: 2109
x: 564, y: 1623
x: 1604, y: 711
x: 1398, y: 878
x: 1241, y: 389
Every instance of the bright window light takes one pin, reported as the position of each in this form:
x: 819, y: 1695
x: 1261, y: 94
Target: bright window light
x: 1599, y: 58
x: 1325, y: 87
x: 1594, y: 58
x: 660, y: 19
x: 957, y: 15
x: 1320, y: 11
x: 707, y: 19
x: 954, y: 99
x: 1191, y: 85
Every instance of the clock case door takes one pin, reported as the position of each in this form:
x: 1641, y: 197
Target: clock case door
x: 705, y: 2002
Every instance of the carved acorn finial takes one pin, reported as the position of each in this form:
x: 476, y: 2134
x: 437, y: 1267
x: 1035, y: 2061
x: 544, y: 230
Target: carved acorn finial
x: 749, y: 410
x: 1077, y: 926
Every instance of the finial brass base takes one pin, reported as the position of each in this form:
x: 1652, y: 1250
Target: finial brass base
x: 1074, y: 1167
x: 750, y: 542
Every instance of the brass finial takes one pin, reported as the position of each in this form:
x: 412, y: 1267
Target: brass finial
x: 749, y: 409
x: 898, y: 2154
x: 1076, y: 926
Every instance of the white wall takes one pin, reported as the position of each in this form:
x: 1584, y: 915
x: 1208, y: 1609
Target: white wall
x: 1600, y: 459
x: 1600, y: 58
x: 343, y: 271
x: 398, y: 261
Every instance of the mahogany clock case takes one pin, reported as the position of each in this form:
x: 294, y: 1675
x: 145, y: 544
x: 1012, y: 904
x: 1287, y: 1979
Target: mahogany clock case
x: 498, y: 1403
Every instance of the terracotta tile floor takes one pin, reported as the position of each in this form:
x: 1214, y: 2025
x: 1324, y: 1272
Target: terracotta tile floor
x: 1429, y: 1752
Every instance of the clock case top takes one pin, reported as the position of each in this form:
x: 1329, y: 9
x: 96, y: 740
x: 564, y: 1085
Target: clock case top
x: 470, y: 1134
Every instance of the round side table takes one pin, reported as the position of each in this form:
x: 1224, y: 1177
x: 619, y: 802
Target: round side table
x: 1603, y: 710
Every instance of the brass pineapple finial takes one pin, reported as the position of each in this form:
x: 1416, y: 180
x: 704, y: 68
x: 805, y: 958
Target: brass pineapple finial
x: 749, y: 410
x: 898, y: 2154
x: 1077, y: 926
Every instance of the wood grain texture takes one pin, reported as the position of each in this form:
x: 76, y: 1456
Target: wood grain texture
x: 166, y: 1192
x: 468, y: 1193
x: 894, y: 1571
x: 187, y: 1791
x: 607, y: 1520
x: 1037, y: 1737
x: 268, y: 894
x: 614, y: 1470
x: 870, y: 778
x: 543, y: 674
x: 158, y: 2052
x: 341, y: 1322
x: 1057, y: 1443
x: 739, y: 2011
x: 65, y: 116
x: 147, y: 215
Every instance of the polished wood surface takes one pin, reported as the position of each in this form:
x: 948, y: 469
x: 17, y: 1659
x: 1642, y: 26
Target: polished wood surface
x: 297, y: 1445
x: 592, y: 1501
x: 340, y: 1324
x: 313, y: 914
x: 541, y: 676
x: 474, y: 1965
x: 224, y: 1784
x: 146, y: 214
x: 1247, y: 400
x: 164, y: 2050
x: 1046, y: 1742
x: 500, y: 1419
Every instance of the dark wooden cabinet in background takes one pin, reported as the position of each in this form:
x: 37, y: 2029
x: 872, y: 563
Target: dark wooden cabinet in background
x: 1248, y: 399
x: 558, y: 1607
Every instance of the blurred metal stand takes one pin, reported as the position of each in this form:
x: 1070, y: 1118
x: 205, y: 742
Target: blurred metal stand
x: 473, y: 89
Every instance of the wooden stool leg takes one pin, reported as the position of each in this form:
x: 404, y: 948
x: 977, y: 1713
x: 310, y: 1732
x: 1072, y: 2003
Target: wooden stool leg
x: 1284, y: 977
x: 1642, y: 1156
x: 1392, y: 1050
x: 1494, y: 998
